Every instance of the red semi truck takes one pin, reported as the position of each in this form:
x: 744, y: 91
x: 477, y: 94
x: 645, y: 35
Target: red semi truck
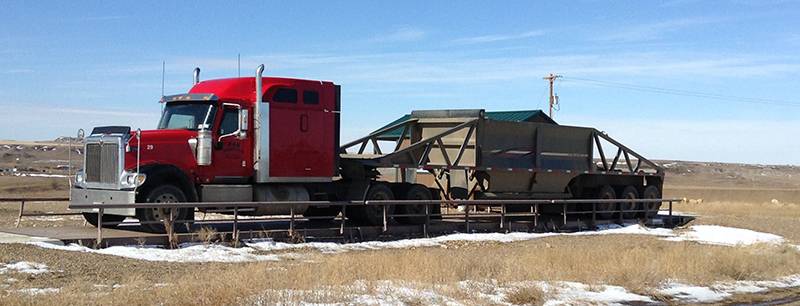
x: 277, y: 139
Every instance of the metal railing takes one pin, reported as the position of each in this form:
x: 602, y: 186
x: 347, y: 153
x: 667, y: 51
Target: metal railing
x: 534, y: 214
x: 28, y: 200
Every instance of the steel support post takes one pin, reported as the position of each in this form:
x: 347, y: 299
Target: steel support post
x: 99, y: 228
x: 385, y: 218
x: 466, y: 216
x: 21, y: 210
x: 427, y: 221
x: 291, y: 219
x: 235, y: 225
x: 502, y: 216
x: 344, y: 217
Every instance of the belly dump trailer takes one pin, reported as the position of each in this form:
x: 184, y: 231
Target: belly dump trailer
x: 277, y: 139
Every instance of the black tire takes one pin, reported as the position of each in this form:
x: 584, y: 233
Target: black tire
x: 606, y: 193
x: 652, y: 192
x: 164, y: 194
x: 322, y: 214
x: 629, y: 209
x: 373, y: 214
x: 109, y: 221
x: 415, y: 192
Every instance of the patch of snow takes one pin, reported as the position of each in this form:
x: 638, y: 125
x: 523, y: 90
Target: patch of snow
x: 24, y: 267
x: 711, y: 234
x: 721, y: 235
x: 693, y: 294
x: 37, y: 291
x: 722, y: 290
x: 185, y: 252
x: 572, y: 293
x: 40, y: 175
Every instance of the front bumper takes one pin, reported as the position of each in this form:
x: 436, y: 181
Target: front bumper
x: 102, y: 196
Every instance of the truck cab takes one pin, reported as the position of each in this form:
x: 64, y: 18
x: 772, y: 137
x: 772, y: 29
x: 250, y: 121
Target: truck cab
x: 219, y: 134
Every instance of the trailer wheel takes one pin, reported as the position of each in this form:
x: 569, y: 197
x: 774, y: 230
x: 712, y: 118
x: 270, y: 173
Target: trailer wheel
x: 629, y: 209
x: 652, y: 192
x: 164, y: 194
x: 416, y: 192
x: 373, y: 214
x: 109, y: 221
x: 606, y: 193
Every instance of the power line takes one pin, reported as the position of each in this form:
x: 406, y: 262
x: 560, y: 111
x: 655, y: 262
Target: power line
x: 685, y: 93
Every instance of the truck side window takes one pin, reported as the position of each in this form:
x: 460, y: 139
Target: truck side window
x: 230, y: 121
x: 310, y: 97
x: 285, y: 95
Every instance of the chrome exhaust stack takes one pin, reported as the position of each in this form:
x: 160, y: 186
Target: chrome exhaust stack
x: 257, y: 166
x: 196, y: 75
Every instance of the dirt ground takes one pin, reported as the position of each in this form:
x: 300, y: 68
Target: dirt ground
x: 761, y: 198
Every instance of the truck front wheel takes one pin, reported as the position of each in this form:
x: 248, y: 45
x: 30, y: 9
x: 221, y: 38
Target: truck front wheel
x: 153, y: 218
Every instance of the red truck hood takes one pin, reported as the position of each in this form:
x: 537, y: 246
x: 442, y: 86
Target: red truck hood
x: 161, y: 147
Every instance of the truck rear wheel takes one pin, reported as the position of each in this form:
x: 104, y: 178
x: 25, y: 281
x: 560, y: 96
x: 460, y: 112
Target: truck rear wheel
x: 606, y: 193
x: 164, y: 194
x: 109, y: 221
x: 415, y: 192
x: 373, y: 214
x: 629, y: 209
x: 651, y: 192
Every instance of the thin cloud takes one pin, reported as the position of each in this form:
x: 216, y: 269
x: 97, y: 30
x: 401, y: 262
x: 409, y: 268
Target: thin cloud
x: 102, y: 18
x: 497, y: 37
x: 652, y: 31
x: 82, y: 111
x: 404, y: 34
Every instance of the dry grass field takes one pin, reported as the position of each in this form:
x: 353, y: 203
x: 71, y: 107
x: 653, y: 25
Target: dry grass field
x: 471, y: 273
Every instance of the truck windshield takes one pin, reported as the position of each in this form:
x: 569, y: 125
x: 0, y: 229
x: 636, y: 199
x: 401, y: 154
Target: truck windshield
x: 186, y: 115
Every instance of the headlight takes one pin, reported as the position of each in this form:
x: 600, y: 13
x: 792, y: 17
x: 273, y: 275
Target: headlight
x: 134, y: 179
x: 80, y: 178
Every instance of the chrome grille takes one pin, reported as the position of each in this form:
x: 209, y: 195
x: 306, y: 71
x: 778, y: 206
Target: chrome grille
x: 102, y: 163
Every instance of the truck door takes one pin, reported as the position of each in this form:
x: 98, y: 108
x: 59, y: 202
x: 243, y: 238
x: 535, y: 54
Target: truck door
x: 229, y: 158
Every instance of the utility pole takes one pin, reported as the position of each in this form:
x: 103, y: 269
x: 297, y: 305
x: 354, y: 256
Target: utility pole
x: 551, y: 78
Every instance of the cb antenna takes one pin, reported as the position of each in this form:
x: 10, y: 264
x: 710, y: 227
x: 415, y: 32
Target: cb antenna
x: 163, y: 72
x: 551, y: 78
x: 239, y: 64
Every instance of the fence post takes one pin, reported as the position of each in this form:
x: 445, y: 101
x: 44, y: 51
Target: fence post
x: 466, y: 216
x: 502, y: 216
x: 344, y: 217
x: 99, y: 228
x: 21, y: 209
x: 427, y: 220
x: 670, y: 213
x: 235, y: 226
x: 291, y: 220
x: 385, y: 219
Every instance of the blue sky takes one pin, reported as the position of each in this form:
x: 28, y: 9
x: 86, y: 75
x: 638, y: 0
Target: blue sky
x: 69, y: 65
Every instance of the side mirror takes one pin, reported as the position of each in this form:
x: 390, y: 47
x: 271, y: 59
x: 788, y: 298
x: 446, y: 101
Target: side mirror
x: 81, y: 134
